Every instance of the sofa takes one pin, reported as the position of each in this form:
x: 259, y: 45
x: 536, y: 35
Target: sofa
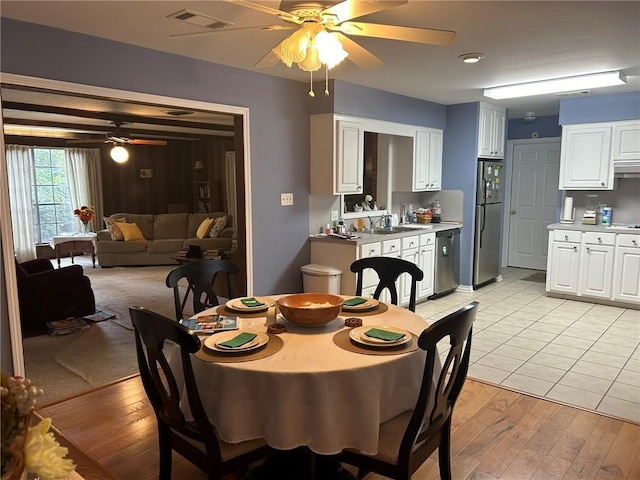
x: 163, y: 235
x: 46, y: 294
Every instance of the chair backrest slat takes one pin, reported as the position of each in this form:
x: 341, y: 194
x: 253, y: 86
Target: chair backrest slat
x: 201, y: 276
x: 389, y: 270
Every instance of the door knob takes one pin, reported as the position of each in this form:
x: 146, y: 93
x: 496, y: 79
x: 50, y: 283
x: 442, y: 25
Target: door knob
x: 513, y: 212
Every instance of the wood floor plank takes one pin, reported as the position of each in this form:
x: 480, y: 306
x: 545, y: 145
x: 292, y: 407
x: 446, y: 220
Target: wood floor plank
x: 590, y: 458
x: 544, y: 440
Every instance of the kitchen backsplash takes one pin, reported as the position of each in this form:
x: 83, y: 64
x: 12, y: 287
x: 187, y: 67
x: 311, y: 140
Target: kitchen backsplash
x: 624, y: 200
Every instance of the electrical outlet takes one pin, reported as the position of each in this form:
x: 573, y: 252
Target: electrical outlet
x: 286, y: 199
x: 334, y: 215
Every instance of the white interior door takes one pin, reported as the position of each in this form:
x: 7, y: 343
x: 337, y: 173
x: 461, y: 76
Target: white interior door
x: 534, y: 195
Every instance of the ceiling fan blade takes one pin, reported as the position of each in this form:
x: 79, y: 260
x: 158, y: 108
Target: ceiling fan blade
x: 405, y: 34
x: 358, y: 54
x: 140, y: 141
x: 349, y: 9
x: 289, y: 17
x: 268, y: 28
x: 86, y: 140
x: 268, y: 61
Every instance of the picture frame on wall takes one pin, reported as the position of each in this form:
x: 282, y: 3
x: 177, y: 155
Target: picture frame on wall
x: 146, y: 173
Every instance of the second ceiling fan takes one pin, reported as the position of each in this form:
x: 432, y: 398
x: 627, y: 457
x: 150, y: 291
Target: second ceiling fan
x: 119, y: 138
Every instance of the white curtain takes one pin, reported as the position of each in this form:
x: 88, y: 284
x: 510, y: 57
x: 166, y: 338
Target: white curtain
x: 230, y: 188
x: 84, y: 174
x: 19, y: 170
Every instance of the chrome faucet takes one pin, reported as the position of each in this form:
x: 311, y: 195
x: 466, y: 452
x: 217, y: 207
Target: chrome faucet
x: 372, y: 223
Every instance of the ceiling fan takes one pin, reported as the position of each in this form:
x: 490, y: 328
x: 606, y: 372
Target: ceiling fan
x: 118, y: 138
x: 312, y: 19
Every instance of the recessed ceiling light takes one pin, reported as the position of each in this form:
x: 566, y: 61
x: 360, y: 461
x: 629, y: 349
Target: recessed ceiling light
x: 471, y: 57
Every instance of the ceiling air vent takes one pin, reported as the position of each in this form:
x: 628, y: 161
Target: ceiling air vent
x: 199, y: 19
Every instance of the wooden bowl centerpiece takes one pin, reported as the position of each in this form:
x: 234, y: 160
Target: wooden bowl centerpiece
x: 310, y: 309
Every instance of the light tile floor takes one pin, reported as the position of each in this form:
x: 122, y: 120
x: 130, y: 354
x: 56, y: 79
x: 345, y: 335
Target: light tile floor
x: 579, y: 353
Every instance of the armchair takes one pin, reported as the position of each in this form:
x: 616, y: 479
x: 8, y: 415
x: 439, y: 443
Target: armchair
x: 46, y: 294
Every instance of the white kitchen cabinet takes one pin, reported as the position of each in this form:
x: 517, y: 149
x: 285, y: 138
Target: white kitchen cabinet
x: 420, y: 169
x: 426, y: 262
x: 337, y: 155
x: 585, y: 157
x: 392, y: 248
x: 626, y: 141
x: 369, y: 276
x: 491, y: 131
x: 596, y: 264
x: 563, y: 261
x: 410, y: 253
x: 626, y: 269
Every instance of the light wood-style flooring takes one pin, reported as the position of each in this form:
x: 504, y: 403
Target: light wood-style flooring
x: 497, y: 434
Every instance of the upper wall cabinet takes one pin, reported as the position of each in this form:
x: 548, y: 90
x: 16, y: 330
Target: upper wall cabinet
x: 337, y: 155
x: 492, y: 130
x: 590, y: 150
x: 420, y: 171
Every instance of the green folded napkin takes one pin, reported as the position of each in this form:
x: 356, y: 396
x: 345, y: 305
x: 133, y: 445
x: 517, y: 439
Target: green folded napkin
x: 352, y: 302
x: 383, y: 334
x: 238, y: 340
x: 251, y: 302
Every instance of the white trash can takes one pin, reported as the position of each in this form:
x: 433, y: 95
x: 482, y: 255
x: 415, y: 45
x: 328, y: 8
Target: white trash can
x: 321, y: 279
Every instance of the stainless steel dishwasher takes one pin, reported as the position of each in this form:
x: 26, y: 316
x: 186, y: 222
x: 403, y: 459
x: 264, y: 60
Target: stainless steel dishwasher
x: 447, y: 262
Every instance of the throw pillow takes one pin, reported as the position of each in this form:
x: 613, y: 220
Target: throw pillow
x: 217, y: 227
x: 131, y: 232
x: 204, y: 228
x: 114, y: 230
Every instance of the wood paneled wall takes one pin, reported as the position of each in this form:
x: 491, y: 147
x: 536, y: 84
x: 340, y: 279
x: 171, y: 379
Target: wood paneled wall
x: 124, y: 190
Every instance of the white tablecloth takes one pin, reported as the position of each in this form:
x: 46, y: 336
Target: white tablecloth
x: 312, y: 392
x: 72, y: 237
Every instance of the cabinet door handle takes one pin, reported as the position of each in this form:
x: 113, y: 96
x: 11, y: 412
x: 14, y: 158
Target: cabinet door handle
x: 372, y: 251
x: 599, y: 240
x: 575, y: 249
x: 634, y: 242
x: 566, y: 237
x: 602, y: 183
x: 588, y: 250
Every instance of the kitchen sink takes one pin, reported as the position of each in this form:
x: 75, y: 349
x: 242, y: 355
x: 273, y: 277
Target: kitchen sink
x: 391, y: 230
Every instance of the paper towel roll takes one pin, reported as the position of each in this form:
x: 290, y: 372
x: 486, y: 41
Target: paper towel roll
x: 567, y: 212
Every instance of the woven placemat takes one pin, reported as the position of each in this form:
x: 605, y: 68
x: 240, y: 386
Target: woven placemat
x: 380, y: 308
x: 274, y: 345
x: 342, y: 340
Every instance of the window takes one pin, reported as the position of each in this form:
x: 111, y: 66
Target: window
x: 51, y: 196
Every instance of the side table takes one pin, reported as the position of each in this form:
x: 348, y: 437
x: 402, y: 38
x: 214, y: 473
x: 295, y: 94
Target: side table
x: 71, y: 243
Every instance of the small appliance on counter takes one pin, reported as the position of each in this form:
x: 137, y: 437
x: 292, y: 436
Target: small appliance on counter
x: 591, y: 211
x: 568, y: 212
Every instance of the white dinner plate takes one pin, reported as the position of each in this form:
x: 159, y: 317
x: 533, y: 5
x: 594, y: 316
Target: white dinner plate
x: 358, y: 336
x: 213, y: 342
x: 368, y: 305
x: 236, y: 304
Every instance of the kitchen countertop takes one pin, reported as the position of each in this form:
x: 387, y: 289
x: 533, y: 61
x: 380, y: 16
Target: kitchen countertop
x: 365, y: 238
x: 591, y: 228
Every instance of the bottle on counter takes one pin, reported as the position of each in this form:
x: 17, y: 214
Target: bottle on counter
x: 437, y: 213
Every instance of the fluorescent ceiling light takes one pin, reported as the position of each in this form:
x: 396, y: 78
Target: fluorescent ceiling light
x: 556, y: 85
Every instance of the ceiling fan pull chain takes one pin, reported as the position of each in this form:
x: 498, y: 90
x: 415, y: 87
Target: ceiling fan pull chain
x: 311, y: 93
x: 326, y: 80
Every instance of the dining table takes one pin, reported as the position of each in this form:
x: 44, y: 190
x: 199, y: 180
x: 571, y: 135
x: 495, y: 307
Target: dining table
x: 310, y: 386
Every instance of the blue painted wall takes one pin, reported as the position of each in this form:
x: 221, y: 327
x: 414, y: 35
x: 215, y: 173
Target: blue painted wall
x: 547, y: 126
x: 600, y: 108
x: 459, y: 168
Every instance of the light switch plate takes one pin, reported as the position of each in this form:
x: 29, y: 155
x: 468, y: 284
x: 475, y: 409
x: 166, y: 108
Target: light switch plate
x: 334, y: 215
x: 286, y: 199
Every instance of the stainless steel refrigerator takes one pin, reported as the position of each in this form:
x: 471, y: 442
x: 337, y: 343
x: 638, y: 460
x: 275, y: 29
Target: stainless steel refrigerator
x: 488, y: 232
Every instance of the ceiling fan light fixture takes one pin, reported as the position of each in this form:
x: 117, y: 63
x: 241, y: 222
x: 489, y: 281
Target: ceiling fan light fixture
x: 330, y: 50
x: 471, y: 57
x: 557, y: 85
x: 119, y: 154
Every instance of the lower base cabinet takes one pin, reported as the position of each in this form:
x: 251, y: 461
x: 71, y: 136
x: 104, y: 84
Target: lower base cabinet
x: 419, y: 249
x: 598, y: 265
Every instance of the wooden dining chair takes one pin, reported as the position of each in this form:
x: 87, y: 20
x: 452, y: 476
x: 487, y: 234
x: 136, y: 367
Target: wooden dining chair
x: 196, y: 439
x: 389, y: 270
x: 407, y: 440
x: 200, y: 276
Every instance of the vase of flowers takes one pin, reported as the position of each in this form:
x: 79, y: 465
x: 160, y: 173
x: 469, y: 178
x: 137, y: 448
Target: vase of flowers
x: 85, y: 214
x: 28, y: 449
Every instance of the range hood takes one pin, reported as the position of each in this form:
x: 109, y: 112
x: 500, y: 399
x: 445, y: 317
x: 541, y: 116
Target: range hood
x: 626, y: 168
